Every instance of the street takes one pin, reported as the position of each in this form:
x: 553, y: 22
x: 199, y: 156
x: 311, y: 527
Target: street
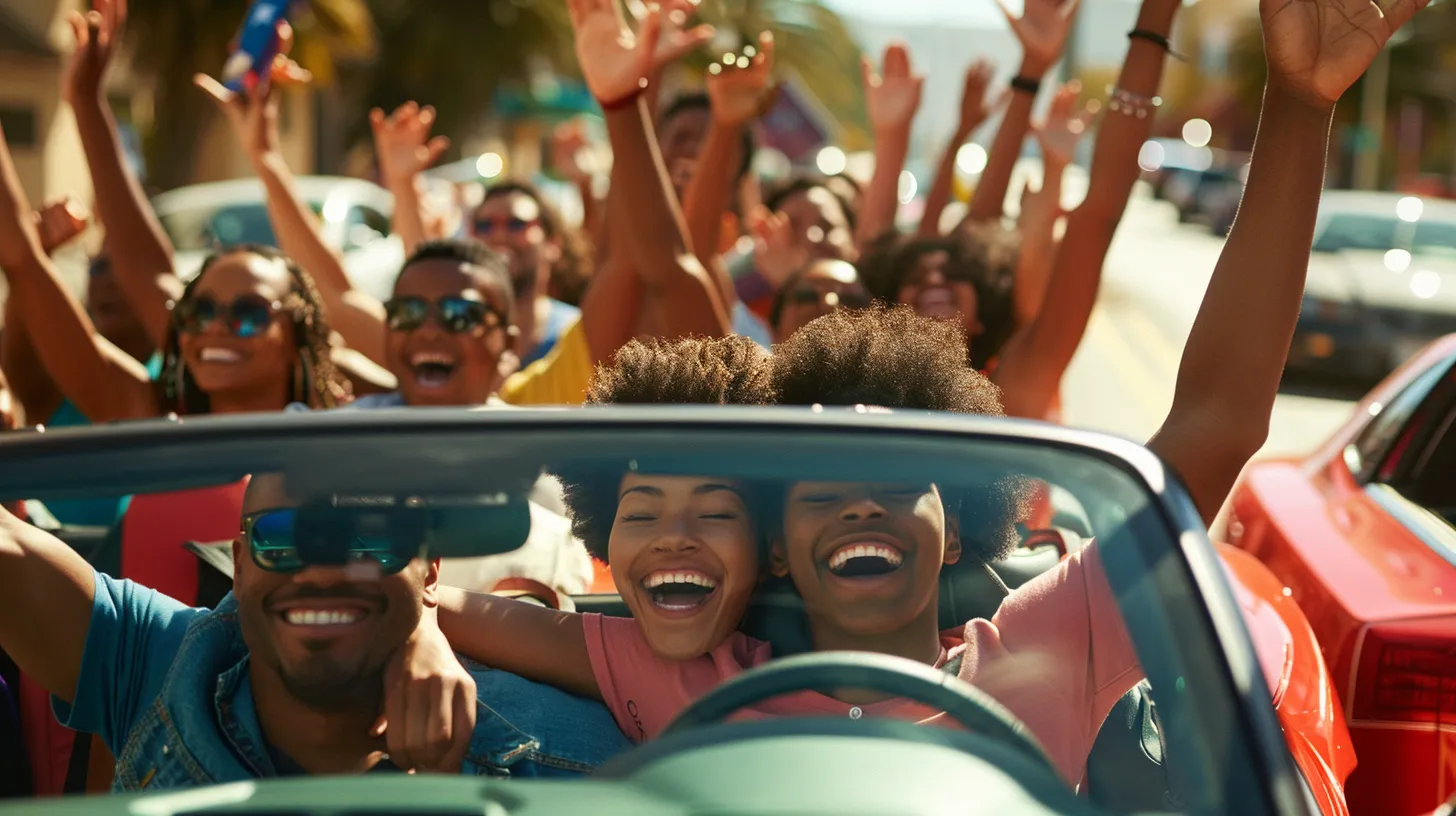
x: 1122, y: 378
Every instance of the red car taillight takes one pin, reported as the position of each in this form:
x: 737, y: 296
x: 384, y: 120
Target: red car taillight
x: 1407, y: 673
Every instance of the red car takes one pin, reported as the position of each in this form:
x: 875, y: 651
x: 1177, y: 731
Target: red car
x: 1361, y: 535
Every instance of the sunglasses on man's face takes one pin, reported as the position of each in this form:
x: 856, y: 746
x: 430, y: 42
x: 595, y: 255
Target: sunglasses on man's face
x: 508, y: 226
x: 288, y: 540
x: 455, y: 315
x: 844, y: 299
x: 248, y: 316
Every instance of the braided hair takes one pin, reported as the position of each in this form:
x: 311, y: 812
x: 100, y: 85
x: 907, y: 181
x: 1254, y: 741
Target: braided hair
x: 315, y: 381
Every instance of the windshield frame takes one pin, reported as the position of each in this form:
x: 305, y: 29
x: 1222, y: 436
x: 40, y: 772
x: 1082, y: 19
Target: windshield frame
x: 1163, y: 548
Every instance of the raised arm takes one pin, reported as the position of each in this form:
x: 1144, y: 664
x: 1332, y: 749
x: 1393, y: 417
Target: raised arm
x: 1042, y: 30
x: 1031, y: 368
x: 105, y: 382
x: 1230, y: 372
x: 974, y: 111
x: 139, y: 249
x: 893, y: 99
x: 738, y: 96
x: 1042, y: 209
x: 616, y: 64
x: 405, y: 150
x: 537, y: 643
x: 254, y: 120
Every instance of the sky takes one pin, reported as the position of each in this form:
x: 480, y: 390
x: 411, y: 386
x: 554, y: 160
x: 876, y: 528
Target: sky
x: 947, y: 12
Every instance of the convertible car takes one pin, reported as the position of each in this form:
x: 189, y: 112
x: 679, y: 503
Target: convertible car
x: 1237, y: 714
x: 1361, y: 534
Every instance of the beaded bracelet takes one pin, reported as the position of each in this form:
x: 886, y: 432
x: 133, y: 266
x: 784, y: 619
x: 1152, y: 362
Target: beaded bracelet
x: 1131, y: 104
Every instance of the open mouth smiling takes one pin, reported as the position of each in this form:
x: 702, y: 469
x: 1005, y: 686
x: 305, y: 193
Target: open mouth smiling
x: 865, y: 559
x: 679, y: 591
x: 432, y: 369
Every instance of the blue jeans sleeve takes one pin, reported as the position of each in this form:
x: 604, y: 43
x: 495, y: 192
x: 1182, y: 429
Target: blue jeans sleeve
x: 133, y: 640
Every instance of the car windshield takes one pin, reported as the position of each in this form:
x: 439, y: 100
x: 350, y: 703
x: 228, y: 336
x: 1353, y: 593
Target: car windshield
x: 204, y: 228
x: 732, y: 539
x: 1379, y: 233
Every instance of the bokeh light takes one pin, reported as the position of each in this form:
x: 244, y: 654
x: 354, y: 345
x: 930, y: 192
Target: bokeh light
x: 908, y: 186
x: 1152, y: 156
x: 971, y: 159
x: 490, y: 165
x: 1425, y: 283
x: 831, y: 161
x: 1197, y: 132
x: 1397, y: 260
x: 1409, y: 209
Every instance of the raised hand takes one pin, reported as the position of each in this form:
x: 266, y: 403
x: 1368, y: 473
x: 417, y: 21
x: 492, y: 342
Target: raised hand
x: 1316, y: 49
x: 739, y: 94
x: 59, y: 222
x: 1064, y: 126
x: 1042, y: 30
x: 615, y: 62
x: 97, y: 33
x: 975, y: 108
x: 776, y: 255
x: 403, y: 144
x: 254, y: 115
x: 894, y: 96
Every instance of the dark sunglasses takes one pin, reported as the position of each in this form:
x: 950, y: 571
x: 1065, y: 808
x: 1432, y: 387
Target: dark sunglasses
x: 289, y: 539
x: 455, y: 315
x: 844, y: 299
x: 248, y: 316
x: 510, y: 226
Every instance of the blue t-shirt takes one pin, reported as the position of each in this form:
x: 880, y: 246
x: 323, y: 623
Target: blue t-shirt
x: 558, y: 320
x: 90, y: 512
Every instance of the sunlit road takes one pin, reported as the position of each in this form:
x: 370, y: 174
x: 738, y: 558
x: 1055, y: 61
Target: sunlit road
x: 1123, y: 376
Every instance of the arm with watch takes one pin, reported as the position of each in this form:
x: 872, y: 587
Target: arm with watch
x: 1030, y: 371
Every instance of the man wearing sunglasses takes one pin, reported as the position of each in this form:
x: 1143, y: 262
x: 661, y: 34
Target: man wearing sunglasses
x: 288, y: 675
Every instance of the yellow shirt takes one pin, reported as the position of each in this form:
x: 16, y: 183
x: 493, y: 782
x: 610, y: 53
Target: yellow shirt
x: 560, y: 378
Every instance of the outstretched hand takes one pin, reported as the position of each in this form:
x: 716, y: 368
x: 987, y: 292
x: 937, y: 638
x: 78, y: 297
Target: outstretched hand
x: 892, y: 97
x: 1064, y: 126
x: 975, y: 107
x: 615, y: 62
x: 1316, y: 49
x: 1042, y: 30
x: 402, y: 142
x: 59, y: 222
x: 744, y: 89
x: 253, y: 115
x: 97, y: 33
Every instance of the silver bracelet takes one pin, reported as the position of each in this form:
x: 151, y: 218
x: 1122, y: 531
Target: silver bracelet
x: 1126, y: 102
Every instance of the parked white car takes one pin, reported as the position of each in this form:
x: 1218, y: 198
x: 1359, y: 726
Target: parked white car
x: 1381, y: 284
x: 355, y: 216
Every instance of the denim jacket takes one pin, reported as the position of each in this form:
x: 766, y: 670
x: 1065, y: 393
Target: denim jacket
x: 166, y: 687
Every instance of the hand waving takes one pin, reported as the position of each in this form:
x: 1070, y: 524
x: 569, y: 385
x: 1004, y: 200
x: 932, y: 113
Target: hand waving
x: 1316, y: 49
x: 1064, y: 126
x: 739, y: 94
x: 403, y: 144
x: 254, y: 115
x: 776, y: 254
x: 97, y: 33
x: 894, y: 97
x: 616, y: 62
x: 60, y: 221
x: 1042, y: 30
x: 975, y: 108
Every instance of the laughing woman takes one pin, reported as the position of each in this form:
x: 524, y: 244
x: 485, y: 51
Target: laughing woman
x: 247, y: 334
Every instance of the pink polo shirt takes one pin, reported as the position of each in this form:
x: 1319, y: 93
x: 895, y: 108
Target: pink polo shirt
x: 1056, y: 655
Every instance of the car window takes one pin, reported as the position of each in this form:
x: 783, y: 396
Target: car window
x: 1367, y: 455
x: 1434, y: 237
x: 1346, y: 231
x: 363, y: 226
x: 204, y: 229
x: 874, y: 524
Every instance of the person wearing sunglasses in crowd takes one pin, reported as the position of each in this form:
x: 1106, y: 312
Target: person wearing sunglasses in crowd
x: 288, y: 675
x: 813, y: 292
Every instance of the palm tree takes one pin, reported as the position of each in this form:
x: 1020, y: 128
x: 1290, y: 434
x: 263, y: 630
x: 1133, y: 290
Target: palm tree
x: 170, y: 40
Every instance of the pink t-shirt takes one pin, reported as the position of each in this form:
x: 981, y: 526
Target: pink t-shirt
x: 1026, y: 657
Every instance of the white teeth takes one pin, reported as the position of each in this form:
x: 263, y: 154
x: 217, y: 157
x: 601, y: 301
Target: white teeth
x: 321, y: 617
x: 213, y: 354
x: 431, y: 357
x: 843, y: 555
x: 657, y: 579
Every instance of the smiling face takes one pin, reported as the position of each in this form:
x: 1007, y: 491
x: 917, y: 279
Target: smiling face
x: 511, y: 224
x: 684, y: 555
x: 823, y: 287
x: 866, y: 558
x: 235, y: 357
x: 325, y: 632
x: 437, y: 366
x: 937, y: 289
x: 819, y: 224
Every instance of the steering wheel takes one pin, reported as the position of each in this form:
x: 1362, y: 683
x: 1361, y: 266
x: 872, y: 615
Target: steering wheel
x: 884, y: 674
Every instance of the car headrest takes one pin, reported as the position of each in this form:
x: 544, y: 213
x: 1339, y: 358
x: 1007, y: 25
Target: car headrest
x: 969, y: 589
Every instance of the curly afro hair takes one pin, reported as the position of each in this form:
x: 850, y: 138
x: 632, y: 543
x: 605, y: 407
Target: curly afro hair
x: 891, y: 357
x: 730, y: 370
